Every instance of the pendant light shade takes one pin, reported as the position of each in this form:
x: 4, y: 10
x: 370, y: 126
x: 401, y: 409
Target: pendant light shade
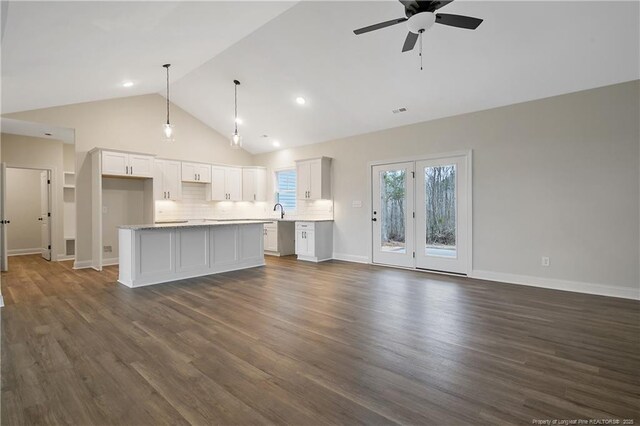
x: 167, y: 128
x: 236, y: 139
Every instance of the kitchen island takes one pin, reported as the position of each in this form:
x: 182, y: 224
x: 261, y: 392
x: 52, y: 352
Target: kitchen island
x: 158, y: 253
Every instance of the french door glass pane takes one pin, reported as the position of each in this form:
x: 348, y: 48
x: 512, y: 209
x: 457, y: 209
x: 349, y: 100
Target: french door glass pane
x: 440, y: 200
x: 392, y: 210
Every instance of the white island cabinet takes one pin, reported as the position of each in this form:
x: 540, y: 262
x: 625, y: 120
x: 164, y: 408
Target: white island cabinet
x: 152, y: 254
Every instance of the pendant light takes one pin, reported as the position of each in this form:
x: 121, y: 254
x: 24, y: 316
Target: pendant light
x: 236, y: 139
x: 167, y: 128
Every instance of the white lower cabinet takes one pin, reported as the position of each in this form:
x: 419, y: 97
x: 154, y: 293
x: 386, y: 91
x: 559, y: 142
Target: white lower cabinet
x: 271, y: 237
x: 279, y: 238
x: 157, y: 255
x: 314, y: 241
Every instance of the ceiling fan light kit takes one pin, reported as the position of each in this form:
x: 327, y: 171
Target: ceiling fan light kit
x: 420, y: 17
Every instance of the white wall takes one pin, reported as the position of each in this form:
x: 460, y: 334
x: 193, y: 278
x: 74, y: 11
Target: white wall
x: 23, y: 210
x: 556, y: 177
x: 40, y: 153
x: 131, y: 124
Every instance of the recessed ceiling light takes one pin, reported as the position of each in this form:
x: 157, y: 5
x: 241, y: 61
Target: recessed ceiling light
x: 127, y: 84
x: 300, y: 100
x: 276, y: 143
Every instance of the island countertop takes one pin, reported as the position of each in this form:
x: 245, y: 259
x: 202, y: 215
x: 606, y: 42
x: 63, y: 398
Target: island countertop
x: 193, y: 224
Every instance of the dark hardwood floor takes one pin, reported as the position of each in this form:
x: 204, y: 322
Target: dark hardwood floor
x: 308, y: 344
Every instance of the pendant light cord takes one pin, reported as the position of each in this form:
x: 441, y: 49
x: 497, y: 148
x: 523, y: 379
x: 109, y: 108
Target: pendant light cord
x: 235, y: 121
x: 167, y: 67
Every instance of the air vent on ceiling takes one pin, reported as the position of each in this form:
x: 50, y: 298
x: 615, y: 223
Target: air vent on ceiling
x: 399, y: 110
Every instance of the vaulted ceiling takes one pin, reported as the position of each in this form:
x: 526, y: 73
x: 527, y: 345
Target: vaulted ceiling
x: 59, y: 53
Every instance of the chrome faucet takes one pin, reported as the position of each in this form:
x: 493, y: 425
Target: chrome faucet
x: 275, y: 208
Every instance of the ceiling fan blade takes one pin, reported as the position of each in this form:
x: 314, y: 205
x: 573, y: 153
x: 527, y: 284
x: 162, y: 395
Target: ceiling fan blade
x: 379, y: 26
x: 458, y: 21
x: 435, y: 5
x: 410, y: 41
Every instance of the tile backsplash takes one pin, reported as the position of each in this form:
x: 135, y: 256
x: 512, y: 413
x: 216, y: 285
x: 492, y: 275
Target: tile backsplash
x: 194, y: 206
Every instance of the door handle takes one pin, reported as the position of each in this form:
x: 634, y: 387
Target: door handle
x: 374, y: 219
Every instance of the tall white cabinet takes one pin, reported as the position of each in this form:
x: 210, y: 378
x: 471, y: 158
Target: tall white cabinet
x: 313, y: 179
x: 121, y: 191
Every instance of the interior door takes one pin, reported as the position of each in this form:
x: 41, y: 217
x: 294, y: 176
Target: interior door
x: 45, y: 234
x: 392, y: 214
x: 442, y: 214
x: 4, y: 264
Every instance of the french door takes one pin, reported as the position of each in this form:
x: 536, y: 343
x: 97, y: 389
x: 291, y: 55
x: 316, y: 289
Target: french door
x: 420, y: 212
x: 441, y: 215
x: 392, y: 214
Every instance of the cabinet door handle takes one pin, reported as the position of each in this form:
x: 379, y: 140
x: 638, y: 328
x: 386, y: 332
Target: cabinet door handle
x: 131, y: 169
x: 168, y: 194
x: 164, y: 194
x: 126, y: 170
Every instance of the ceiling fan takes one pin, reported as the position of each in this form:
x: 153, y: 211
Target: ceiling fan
x: 420, y: 16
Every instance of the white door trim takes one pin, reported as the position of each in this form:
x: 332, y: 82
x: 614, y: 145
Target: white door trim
x: 54, y: 189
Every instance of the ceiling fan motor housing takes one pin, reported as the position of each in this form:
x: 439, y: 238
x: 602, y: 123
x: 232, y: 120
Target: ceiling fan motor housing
x: 421, y: 22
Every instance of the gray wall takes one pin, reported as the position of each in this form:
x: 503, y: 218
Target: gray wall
x: 556, y: 177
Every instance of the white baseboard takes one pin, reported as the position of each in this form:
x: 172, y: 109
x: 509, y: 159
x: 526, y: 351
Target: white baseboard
x: 1, y: 301
x: 82, y: 264
x: 23, y: 252
x: 63, y: 257
x: 110, y: 262
x: 350, y: 258
x: 556, y: 284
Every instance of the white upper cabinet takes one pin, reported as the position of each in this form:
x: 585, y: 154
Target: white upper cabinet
x: 196, y: 172
x: 167, y: 180
x: 126, y: 164
x: 254, y: 184
x: 233, y: 183
x: 313, y: 179
x: 226, y: 183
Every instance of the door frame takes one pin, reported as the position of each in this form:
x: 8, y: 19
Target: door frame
x: 53, y: 203
x: 468, y: 154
